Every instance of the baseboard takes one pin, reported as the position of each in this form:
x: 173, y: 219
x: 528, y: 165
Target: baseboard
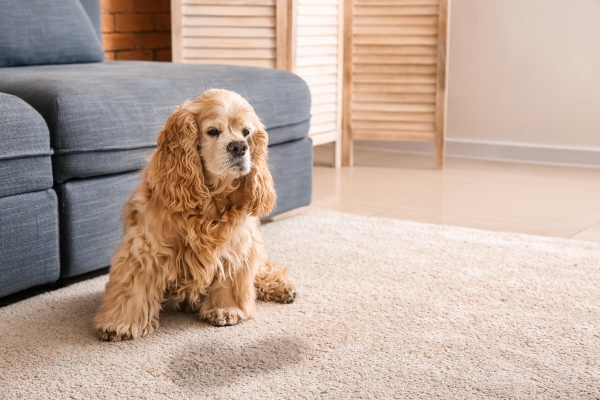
x: 503, y: 151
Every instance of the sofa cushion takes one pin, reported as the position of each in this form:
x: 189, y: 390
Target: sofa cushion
x: 90, y: 221
x: 117, y: 106
x: 291, y: 166
x: 24, y: 148
x: 29, y: 245
x: 39, y: 32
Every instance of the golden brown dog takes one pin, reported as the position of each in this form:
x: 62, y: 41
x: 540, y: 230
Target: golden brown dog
x: 191, y: 236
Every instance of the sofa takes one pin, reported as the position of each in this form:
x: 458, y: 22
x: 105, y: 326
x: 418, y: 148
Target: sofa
x: 75, y: 131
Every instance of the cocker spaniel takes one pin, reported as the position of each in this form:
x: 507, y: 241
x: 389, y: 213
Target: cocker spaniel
x: 191, y: 237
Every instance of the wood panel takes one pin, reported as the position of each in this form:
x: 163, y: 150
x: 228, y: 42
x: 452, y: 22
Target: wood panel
x: 318, y: 58
x: 240, y: 32
x: 395, y: 70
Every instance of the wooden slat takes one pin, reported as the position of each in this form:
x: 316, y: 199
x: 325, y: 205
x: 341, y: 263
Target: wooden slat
x: 395, y: 40
x: 393, y: 78
x: 323, y: 89
x: 393, y: 88
x: 379, y: 59
x: 327, y: 98
x: 219, y: 11
x: 379, y: 3
x: 394, y: 50
x: 317, y: 119
x: 318, y: 10
x: 324, y: 138
x: 330, y: 108
x: 319, y: 3
x: 392, y: 116
x: 395, y: 9
x: 284, y: 31
x: 321, y: 20
x: 413, y: 98
x: 232, y: 2
x: 190, y: 31
x: 414, y: 108
x: 229, y: 21
x: 176, y: 31
x: 317, y: 30
x: 308, y: 51
x: 323, y: 127
x: 347, y: 131
x: 317, y: 60
x: 231, y: 61
x: 440, y: 113
x: 394, y: 69
x: 391, y: 126
x: 395, y: 30
x: 392, y: 135
x: 317, y: 40
x: 316, y: 70
x: 227, y: 54
x: 321, y: 79
x: 395, y: 20
x: 224, y: 43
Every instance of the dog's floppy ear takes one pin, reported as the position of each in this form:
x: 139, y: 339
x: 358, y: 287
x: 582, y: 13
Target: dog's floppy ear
x: 259, y: 183
x: 175, y: 171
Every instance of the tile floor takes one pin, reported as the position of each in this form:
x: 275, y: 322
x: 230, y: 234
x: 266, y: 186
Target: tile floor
x: 544, y: 200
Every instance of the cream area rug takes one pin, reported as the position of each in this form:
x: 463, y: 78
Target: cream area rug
x: 386, y: 309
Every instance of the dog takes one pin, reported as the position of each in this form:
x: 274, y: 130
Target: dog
x: 191, y: 229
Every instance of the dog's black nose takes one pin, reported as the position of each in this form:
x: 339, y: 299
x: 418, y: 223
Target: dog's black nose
x: 237, y: 148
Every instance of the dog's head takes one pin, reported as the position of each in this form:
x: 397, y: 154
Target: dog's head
x: 213, y: 145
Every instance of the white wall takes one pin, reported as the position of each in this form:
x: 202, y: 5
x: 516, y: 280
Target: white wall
x: 525, y: 71
x: 524, y: 78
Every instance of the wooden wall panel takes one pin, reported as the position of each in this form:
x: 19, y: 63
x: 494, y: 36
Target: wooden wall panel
x: 395, y: 69
x: 318, y: 58
x: 241, y: 32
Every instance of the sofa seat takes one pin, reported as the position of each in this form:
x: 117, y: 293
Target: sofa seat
x: 28, y: 205
x: 104, y: 118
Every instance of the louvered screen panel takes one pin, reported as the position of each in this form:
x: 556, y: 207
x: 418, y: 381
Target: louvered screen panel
x: 395, y: 72
x: 318, y: 59
x: 241, y: 32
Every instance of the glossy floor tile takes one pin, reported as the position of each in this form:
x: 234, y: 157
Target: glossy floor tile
x: 534, y: 199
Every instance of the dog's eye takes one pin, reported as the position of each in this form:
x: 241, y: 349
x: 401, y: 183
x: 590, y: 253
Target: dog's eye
x: 212, y: 131
x: 245, y: 132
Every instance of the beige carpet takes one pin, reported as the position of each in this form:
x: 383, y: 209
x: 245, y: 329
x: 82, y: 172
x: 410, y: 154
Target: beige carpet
x: 386, y: 310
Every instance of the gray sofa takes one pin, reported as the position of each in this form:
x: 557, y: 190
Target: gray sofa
x: 75, y: 131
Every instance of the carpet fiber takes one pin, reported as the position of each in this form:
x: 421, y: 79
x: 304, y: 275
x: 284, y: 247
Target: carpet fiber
x: 386, y: 309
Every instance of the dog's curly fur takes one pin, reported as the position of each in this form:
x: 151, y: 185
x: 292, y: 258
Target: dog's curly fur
x: 191, y: 236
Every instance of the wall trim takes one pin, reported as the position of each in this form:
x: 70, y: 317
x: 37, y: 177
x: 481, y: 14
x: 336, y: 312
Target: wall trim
x: 499, y: 151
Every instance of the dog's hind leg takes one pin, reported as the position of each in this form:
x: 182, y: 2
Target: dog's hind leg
x: 133, y: 296
x: 272, y: 284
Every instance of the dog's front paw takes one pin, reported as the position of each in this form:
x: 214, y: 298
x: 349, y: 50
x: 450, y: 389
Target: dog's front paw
x: 223, y: 316
x: 112, y: 336
x: 111, y: 333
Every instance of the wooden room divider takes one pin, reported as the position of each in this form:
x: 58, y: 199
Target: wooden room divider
x: 302, y: 36
x: 395, y: 72
x: 376, y: 66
